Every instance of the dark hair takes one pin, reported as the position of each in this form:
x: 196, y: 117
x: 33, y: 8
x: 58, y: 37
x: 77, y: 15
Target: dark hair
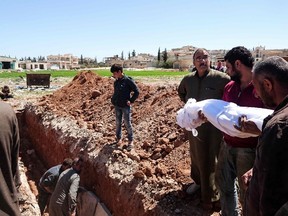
x: 77, y: 160
x: 116, y: 67
x: 67, y: 162
x: 275, y: 68
x: 240, y: 53
x: 197, y: 50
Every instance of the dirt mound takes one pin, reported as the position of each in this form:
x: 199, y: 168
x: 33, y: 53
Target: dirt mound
x: 87, y: 99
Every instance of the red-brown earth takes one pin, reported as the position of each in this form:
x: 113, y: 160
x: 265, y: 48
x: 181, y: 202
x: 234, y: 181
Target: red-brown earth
x: 157, y: 169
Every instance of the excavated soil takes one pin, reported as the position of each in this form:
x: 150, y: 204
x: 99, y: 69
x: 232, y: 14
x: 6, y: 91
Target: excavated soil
x: 78, y: 118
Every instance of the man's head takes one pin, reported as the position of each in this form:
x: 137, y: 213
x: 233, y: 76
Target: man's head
x: 117, y: 70
x: 270, y: 79
x: 237, y: 59
x: 219, y: 64
x: 78, y: 164
x: 201, y: 60
x: 6, y: 89
x: 66, y: 164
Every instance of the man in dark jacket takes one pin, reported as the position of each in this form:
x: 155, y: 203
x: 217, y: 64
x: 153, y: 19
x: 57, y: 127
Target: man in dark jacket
x: 268, y: 189
x: 9, y: 152
x: 122, y: 100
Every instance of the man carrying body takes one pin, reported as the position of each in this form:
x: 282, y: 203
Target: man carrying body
x: 236, y: 155
x: 268, y: 189
x: 203, y: 83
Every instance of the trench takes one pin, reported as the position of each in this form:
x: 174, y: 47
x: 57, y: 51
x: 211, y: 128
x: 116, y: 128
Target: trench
x: 105, y: 189
x: 44, y: 146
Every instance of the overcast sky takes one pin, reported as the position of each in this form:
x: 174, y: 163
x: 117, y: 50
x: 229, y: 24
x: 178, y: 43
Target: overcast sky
x: 95, y: 28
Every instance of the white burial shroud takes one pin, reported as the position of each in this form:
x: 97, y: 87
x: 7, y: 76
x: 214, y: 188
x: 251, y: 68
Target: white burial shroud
x: 223, y: 115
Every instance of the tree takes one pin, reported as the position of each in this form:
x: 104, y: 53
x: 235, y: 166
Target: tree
x: 129, y: 55
x: 133, y: 53
x: 165, y: 55
x: 81, y: 59
x: 122, y: 56
x: 95, y: 60
x: 159, y: 55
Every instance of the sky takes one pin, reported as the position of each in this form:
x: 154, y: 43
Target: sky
x: 104, y: 28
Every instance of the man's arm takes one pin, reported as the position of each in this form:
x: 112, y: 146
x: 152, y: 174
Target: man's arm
x: 15, y: 153
x: 134, y: 89
x: 182, y: 91
x: 72, y: 195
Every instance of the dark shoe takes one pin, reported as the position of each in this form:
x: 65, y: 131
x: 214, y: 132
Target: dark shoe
x: 212, y: 206
x: 192, y: 189
x: 130, y: 146
x: 216, y: 206
x: 206, y: 206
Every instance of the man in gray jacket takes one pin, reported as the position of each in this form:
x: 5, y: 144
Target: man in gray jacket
x: 63, y: 199
x: 48, y: 182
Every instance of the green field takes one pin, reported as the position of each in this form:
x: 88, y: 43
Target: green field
x: 107, y: 73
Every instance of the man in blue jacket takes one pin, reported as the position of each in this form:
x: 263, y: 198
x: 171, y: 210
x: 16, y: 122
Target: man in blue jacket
x: 122, y: 100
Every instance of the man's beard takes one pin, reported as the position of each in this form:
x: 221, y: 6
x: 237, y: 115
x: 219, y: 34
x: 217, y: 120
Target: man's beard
x: 267, y: 99
x: 237, y: 76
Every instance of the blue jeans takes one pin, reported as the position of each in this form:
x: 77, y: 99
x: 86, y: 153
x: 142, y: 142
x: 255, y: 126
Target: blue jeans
x: 126, y: 113
x: 232, y: 164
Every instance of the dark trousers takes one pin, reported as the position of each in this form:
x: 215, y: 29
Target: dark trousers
x: 43, y: 199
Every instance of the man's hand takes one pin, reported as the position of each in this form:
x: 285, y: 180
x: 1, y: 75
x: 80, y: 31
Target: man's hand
x: 247, y: 126
x: 202, y: 116
x: 245, y: 179
x: 72, y: 214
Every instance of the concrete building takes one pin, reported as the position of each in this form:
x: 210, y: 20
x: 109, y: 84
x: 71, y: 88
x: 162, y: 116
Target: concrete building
x: 29, y: 65
x: 54, y: 62
x: 7, y: 63
x: 66, y: 61
x: 142, y: 60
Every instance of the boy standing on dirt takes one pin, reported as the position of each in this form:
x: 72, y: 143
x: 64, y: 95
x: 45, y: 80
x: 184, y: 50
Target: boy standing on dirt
x: 122, y: 100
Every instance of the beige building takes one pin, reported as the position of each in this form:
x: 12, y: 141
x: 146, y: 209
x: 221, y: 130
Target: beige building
x: 28, y: 65
x: 66, y: 61
x: 142, y: 60
x: 55, y: 62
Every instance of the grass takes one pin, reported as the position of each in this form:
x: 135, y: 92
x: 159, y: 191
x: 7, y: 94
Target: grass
x: 106, y: 73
